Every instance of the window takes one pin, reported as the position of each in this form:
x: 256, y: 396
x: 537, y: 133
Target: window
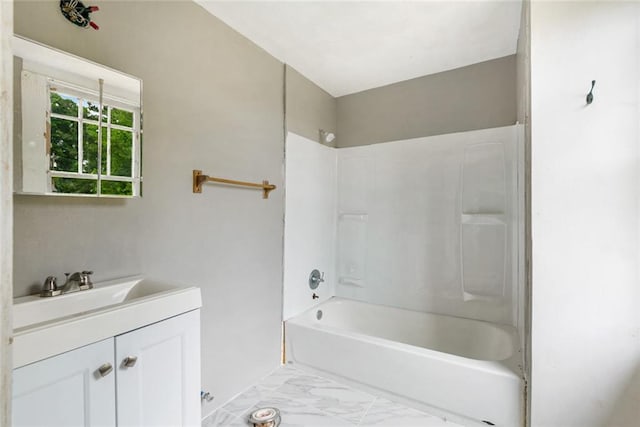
x: 75, y: 150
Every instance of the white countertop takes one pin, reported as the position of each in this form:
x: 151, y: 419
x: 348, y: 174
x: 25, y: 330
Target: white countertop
x: 44, y: 327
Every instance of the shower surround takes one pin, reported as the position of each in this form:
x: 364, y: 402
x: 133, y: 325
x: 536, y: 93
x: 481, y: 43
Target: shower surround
x: 431, y: 224
x: 411, y: 230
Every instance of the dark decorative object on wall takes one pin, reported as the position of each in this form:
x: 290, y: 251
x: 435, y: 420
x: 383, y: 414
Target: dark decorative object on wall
x: 78, y: 13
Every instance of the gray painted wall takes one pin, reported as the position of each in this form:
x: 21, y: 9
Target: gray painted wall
x: 309, y: 108
x: 479, y: 96
x: 213, y: 101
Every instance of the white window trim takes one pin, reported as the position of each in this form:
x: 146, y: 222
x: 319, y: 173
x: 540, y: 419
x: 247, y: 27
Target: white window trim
x: 37, y: 95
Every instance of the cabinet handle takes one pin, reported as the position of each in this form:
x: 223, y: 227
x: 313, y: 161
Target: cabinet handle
x: 129, y: 361
x: 105, y: 369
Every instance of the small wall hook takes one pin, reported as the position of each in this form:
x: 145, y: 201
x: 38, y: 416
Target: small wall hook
x: 590, y: 94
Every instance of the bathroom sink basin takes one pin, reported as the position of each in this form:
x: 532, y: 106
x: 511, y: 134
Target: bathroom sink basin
x: 47, y: 326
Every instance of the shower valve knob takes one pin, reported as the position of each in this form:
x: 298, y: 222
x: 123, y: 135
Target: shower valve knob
x: 315, y: 278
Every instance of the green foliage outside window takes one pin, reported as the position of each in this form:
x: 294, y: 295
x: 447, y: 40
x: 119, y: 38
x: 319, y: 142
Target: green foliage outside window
x: 65, y: 141
x: 75, y: 185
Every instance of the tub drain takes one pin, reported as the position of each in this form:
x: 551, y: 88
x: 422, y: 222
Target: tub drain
x: 265, y: 417
x: 319, y: 314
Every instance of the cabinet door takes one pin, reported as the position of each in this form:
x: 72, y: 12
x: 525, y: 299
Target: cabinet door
x: 67, y: 390
x: 159, y: 373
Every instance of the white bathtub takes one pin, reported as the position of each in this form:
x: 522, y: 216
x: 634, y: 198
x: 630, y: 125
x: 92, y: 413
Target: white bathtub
x: 461, y: 366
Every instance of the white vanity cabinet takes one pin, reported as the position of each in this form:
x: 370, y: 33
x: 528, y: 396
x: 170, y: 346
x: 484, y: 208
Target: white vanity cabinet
x: 67, y: 390
x: 154, y: 380
x: 161, y: 385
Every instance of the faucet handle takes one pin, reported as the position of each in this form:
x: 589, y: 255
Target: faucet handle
x: 315, y: 278
x: 50, y: 287
x: 50, y: 283
x: 85, y: 279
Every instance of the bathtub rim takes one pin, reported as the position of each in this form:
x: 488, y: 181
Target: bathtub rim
x: 509, y: 367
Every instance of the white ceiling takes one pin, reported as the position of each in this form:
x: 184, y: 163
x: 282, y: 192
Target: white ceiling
x: 350, y: 46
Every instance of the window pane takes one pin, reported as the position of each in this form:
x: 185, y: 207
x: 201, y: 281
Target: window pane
x: 74, y: 185
x: 90, y: 110
x: 64, y: 145
x: 121, y: 117
x: 89, y: 148
x: 104, y: 152
x: 64, y: 104
x: 121, y: 152
x: 116, y: 188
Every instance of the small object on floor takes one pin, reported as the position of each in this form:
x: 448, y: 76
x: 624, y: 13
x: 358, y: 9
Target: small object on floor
x: 265, y: 417
x: 78, y: 14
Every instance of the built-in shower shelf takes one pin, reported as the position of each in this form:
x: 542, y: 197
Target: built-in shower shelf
x: 483, y: 218
x: 354, y: 216
x: 474, y: 296
x: 351, y: 281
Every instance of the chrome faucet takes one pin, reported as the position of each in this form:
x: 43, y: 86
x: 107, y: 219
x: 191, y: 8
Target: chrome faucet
x: 78, y: 281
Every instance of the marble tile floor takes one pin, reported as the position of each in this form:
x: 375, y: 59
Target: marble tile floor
x: 309, y: 400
